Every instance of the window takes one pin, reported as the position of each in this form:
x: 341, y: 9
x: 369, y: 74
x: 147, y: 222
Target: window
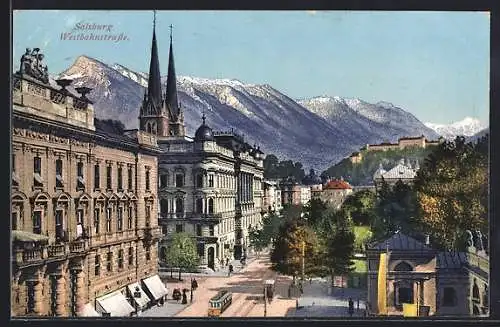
x: 179, y: 207
x: 37, y: 222
x: 199, y: 205
x: 79, y: 223
x: 129, y: 178
x: 164, y: 207
x: 210, y: 206
x: 97, y: 177
x: 120, y: 179
x: 80, y: 180
x: 130, y: 256
x: 59, y: 226
x: 163, y: 180
x: 37, y: 172
x: 210, y: 180
x: 449, y: 297
x: 108, y: 178
x: 129, y: 221
x: 147, y: 180
x: 148, y: 253
x: 178, y: 228
x: 211, y: 230
x: 199, y: 180
x: 59, y: 173
x: 97, y: 267
x: 108, y: 220
x: 148, y: 215
x: 14, y: 220
x: 15, y: 178
x: 120, y: 259
x: 96, y: 220
x: 198, y: 230
x: 179, y: 180
x: 109, y: 259
x: 120, y: 219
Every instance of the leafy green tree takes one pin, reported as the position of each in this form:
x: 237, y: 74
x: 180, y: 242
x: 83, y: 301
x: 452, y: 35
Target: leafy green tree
x: 314, y: 212
x: 182, y: 253
x: 262, y: 236
x: 294, y: 244
x: 452, y: 192
x: 361, y: 207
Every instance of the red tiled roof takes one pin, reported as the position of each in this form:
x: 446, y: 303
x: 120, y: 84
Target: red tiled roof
x: 337, y: 185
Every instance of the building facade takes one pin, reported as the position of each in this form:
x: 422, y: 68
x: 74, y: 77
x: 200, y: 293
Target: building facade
x: 83, y: 204
x: 210, y: 186
x: 442, y: 283
x: 335, y: 192
x: 272, y: 196
x: 403, y: 172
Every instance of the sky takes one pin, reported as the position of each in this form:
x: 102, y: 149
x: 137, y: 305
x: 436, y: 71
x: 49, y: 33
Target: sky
x: 432, y: 64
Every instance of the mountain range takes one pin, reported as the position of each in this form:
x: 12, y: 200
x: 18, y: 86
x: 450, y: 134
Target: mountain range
x: 317, y: 132
x: 466, y: 127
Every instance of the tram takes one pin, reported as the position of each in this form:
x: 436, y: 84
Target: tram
x: 219, y: 303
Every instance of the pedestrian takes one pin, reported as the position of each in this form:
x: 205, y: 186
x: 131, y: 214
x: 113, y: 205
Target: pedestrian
x: 195, y: 284
x: 351, y: 307
x: 230, y: 270
x: 184, y: 296
x: 358, y: 304
x: 227, y: 262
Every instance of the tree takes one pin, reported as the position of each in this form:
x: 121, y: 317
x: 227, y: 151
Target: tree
x: 182, y: 253
x: 295, y: 242
x: 452, y: 192
x: 314, y: 212
x: 361, y: 207
x: 262, y: 236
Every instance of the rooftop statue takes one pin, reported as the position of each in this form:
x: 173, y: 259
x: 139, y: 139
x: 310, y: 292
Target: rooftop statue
x: 32, y: 65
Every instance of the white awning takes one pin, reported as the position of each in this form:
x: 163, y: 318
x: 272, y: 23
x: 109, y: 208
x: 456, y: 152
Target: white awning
x: 141, y: 301
x: 115, y: 304
x: 88, y: 311
x: 155, y: 286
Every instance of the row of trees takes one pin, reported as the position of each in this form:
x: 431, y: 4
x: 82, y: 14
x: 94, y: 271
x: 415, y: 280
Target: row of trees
x: 276, y: 169
x: 312, y: 240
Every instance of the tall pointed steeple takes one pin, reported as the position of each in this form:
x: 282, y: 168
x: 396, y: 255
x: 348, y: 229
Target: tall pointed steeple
x: 171, y: 93
x: 154, y: 82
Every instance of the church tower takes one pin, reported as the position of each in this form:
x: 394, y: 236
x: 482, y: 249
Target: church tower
x: 172, y: 105
x: 152, y: 117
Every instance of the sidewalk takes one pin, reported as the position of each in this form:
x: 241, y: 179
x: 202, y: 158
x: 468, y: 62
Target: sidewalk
x: 316, y: 302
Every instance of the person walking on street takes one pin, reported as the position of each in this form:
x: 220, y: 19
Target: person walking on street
x: 351, y: 307
x: 230, y: 270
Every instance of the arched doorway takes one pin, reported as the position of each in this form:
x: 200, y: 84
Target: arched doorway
x: 211, y: 257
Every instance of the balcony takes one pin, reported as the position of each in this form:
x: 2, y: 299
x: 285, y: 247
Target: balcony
x: 58, y: 250
x: 78, y: 246
x: 32, y: 255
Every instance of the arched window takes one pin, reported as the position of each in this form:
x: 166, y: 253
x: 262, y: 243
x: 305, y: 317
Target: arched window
x: 210, y: 205
x: 199, y: 205
x: 403, y: 266
x: 475, y: 291
x: 179, y: 207
x: 163, y: 207
x: 449, y: 297
x: 199, y: 180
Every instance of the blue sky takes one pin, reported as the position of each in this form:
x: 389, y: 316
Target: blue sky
x: 433, y: 64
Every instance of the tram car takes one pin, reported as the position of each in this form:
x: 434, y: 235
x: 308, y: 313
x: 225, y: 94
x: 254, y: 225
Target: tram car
x: 219, y: 303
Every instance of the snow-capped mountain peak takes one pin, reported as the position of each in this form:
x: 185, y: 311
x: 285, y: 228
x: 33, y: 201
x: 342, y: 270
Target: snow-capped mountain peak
x: 465, y: 127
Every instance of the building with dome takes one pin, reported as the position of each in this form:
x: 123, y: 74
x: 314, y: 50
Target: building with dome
x: 210, y: 185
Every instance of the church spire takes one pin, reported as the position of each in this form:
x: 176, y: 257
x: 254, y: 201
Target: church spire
x: 154, y: 81
x: 171, y: 93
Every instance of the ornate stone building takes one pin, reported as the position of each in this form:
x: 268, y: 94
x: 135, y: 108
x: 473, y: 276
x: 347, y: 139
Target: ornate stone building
x: 209, y: 186
x: 335, y: 192
x: 84, y: 205
x: 442, y: 282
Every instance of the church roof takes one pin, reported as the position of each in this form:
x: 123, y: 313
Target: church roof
x: 171, y: 92
x: 400, y: 171
x: 399, y: 242
x: 203, y: 133
x: 153, y: 102
x: 451, y: 260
